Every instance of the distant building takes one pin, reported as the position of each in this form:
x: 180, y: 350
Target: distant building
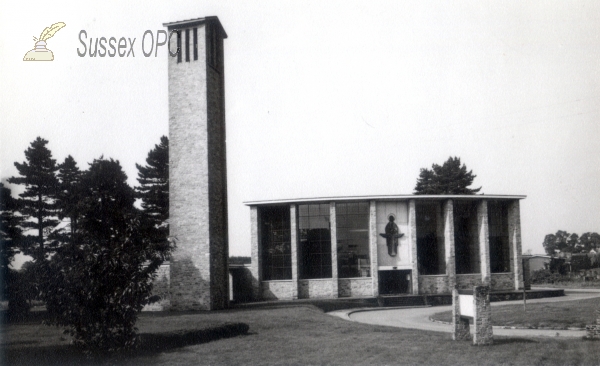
x: 537, y: 261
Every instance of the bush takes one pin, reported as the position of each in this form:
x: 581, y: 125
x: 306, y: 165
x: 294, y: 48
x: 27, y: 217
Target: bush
x: 97, y: 289
x: 545, y: 276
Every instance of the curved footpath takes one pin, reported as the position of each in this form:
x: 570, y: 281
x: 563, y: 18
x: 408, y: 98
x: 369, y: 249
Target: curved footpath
x: 418, y: 317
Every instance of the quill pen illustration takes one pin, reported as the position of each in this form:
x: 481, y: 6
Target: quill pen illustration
x: 51, y: 30
x: 40, y: 52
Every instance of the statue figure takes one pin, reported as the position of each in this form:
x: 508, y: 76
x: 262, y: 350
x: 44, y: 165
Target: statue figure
x: 392, y: 234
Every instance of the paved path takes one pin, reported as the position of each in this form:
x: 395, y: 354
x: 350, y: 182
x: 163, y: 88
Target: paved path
x: 418, y: 317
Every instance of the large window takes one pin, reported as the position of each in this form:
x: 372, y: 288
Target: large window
x: 352, y: 230
x: 314, y: 241
x: 276, y: 243
x: 498, y: 229
x: 430, y: 242
x: 466, y: 240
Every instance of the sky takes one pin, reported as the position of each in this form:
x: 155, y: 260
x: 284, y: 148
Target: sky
x: 333, y: 98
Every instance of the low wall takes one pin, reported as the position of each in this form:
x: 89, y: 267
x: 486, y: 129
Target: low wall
x: 161, y: 289
x: 355, y: 287
x: 433, y: 284
x: 503, y: 281
x: 277, y: 290
x: 316, y: 289
x: 467, y: 281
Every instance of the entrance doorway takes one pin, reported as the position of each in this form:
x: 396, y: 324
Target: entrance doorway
x: 394, y: 282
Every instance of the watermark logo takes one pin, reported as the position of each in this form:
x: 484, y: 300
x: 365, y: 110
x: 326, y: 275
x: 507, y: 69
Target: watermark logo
x: 40, y: 52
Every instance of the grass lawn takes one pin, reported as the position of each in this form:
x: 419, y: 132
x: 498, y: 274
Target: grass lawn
x: 298, y: 335
x: 558, y: 315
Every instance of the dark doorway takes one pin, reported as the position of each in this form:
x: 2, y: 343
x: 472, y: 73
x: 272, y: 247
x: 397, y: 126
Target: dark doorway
x: 394, y: 282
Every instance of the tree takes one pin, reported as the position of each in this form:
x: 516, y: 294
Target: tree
x: 38, y: 202
x: 10, y: 240
x: 450, y: 178
x: 154, y: 184
x: 68, y: 195
x: 97, y: 286
x: 589, y: 241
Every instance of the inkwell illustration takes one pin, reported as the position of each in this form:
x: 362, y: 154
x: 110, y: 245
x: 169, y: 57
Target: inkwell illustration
x: 40, y: 52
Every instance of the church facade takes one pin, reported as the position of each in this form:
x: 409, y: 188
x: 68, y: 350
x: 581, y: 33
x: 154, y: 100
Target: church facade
x: 384, y: 245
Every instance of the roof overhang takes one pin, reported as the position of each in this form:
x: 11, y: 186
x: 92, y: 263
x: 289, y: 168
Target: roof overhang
x: 193, y: 22
x: 398, y: 197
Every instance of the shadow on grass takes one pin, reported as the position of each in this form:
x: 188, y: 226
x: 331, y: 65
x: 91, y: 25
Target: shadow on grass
x: 501, y: 341
x: 150, y: 343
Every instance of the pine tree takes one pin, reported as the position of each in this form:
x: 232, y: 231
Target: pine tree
x: 38, y: 202
x: 10, y: 232
x: 10, y: 240
x: 68, y: 195
x: 450, y: 178
x: 154, y: 184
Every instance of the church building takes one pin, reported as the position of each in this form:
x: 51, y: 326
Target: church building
x: 317, y: 247
x: 384, y: 245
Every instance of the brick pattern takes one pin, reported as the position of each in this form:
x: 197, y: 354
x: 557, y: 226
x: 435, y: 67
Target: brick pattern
x: 317, y: 289
x: 593, y: 330
x: 161, y: 287
x: 198, y: 178
x: 483, y: 334
x: 432, y: 285
x: 355, y: 287
x: 294, y: 250
x: 334, y: 260
x: 412, y: 242
x: 255, y: 252
x: 448, y: 212
x: 278, y: 290
x: 460, y: 326
x: 502, y: 281
x: 467, y: 281
x: 373, y: 247
x: 514, y: 238
x: 484, y: 241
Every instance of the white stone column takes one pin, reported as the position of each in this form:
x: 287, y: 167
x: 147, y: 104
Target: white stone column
x: 334, y: 260
x: 449, y: 243
x: 412, y: 241
x: 255, y: 252
x: 294, y: 242
x: 484, y: 242
x: 514, y: 238
x: 373, y: 246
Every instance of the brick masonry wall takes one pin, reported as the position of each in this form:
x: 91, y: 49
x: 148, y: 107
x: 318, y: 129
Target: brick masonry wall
x: 217, y: 173
x: 503, y: 281
x: 373, y: 247
x: 429, y: 285
x: 484, y: 241
x: 355, y: 287
x: 161, y: 288
x: 412, y: 241
x: 255, y: 252
x: 197, y: 187
x: 514, y: 238
x: 467, y: 281
x: 483, y: 334
x: 316, y: 289
x: 278, y: 290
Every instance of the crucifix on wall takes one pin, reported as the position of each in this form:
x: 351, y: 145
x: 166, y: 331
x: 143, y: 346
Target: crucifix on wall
x: 392, y: 234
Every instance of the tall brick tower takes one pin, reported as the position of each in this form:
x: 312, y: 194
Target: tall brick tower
x: 198, y: 169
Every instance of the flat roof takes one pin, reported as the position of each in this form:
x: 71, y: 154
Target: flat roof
x: 392, y: 197
x: 192, y: 22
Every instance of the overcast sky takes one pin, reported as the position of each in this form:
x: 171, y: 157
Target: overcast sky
x: 334, y: 98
